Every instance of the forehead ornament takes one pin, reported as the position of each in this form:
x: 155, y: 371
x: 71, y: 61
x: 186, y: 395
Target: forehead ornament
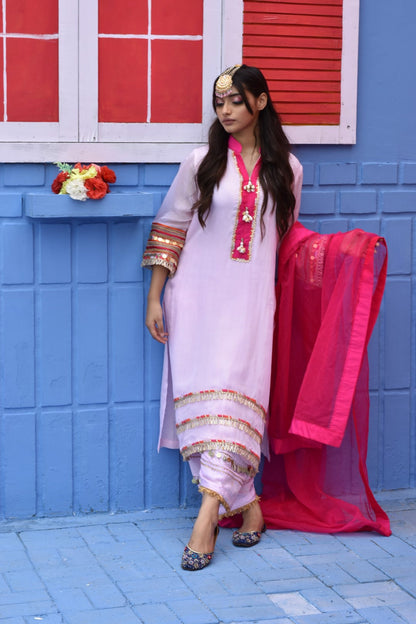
x: 224, y: 84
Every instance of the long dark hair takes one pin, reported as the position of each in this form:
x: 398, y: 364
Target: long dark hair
x: 276, y: 175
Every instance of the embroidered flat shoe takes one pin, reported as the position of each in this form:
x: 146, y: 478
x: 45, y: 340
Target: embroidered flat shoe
x: 247, y: 538
x: 193, y: 560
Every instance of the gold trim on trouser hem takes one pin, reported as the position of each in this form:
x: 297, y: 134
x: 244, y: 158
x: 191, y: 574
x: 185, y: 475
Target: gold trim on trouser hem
x: 228, y: 514
x: 219, y: 498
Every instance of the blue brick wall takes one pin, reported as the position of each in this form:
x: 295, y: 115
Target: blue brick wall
x: 79, y: 376
x: 79, y: 379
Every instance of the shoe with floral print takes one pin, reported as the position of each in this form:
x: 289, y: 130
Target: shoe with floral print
x: 247, y: 538
x: 193, y: 560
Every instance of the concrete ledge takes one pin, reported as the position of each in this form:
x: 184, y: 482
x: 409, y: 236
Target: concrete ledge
x: 121, y: 205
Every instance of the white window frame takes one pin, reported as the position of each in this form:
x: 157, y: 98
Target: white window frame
x: 66, y: 129
x: 80, y: 137
x: 147, y: 141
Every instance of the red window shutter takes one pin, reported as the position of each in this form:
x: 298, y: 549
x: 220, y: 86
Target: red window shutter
x: 298, y: 46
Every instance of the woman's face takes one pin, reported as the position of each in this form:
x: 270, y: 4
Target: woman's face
x: 234, y: 115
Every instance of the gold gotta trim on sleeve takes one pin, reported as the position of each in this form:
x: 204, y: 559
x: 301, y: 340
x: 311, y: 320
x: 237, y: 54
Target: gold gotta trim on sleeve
x: 164, y: 247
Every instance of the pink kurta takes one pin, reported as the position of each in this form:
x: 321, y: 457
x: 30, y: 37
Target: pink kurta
x: 219, y: 310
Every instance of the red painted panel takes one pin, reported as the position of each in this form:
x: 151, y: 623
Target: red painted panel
x: 292, y: 8
x: 30, y: 17
x: 300, y: 63
x: 297, y: 42
x: 306, y: 20
x: 303, y: 75
x: 1, y: 15
x: 293, y: 30
x: 177, y: 17
x: 299, y: 87
x: 122, y: 80
x: 123, y: 17
x: 1, y: 85
x: 310, y: 119
x: 177, y: 81
x: 32, y: 80
x: 305, y: 107
x: 323, y: 3
x: 310, y: 96
x: 279, y: 55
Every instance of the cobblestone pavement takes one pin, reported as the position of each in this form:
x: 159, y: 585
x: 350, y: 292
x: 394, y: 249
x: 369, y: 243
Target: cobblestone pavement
x: 125, y: 569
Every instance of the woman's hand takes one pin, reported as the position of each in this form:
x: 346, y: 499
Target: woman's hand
x: 154, y: 321
x: 154, y: 314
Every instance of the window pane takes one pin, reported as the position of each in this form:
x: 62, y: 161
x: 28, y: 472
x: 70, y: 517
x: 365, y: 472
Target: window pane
x: 176, y: 81
x: 31, y: 17
x: 123, y: 17
x: 1, y: 85
x: 179, y: 17
x: 122, y: 72
x: 32, y: 79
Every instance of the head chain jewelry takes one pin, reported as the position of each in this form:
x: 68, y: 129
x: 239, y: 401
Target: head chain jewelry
x: 224, y: 84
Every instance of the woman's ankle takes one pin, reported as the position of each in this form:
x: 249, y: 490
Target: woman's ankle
x: 253, y: 518
x: 203, y: 533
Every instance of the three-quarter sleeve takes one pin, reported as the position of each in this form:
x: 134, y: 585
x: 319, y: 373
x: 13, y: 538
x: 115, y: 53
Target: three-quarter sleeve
x: 164, y: 246
x: 168, y: 233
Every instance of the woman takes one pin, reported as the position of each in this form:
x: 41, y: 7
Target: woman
x: 228, y: 207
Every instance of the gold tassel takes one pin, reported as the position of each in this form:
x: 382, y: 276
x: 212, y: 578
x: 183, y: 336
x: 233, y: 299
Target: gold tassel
x: 228, y: 514
x: 219, y: 498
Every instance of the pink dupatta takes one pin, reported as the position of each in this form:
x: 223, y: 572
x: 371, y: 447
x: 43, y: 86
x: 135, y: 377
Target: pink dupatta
x: 329, y: 292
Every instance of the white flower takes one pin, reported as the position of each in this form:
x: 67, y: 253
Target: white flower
x: 76, y: 189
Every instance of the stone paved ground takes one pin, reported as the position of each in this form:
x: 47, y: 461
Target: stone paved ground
x: 125, y: 569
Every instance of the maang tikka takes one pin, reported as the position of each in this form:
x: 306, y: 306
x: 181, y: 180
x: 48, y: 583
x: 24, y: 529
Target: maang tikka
x: 224, y: 84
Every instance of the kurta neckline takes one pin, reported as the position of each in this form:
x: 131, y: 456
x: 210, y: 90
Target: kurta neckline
x: 234, y: 144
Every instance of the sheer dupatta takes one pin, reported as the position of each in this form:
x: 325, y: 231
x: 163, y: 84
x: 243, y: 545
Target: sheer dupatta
x: 329, y: 292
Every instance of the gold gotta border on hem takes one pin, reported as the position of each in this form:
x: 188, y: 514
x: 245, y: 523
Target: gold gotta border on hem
x: 222, y: 420
x: 209, y: 445
x: 218, y: 395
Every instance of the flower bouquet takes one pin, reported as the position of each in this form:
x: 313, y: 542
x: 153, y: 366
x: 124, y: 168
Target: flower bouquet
x: 83, y: 181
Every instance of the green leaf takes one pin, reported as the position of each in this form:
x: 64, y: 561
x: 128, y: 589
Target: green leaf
x: 63, y: 166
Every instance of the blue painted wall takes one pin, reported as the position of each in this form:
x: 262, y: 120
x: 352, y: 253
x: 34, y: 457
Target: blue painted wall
x: 79, y: 377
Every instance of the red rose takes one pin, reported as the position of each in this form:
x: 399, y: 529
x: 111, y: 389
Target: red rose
x: 96, y: 188
x: 107, y: 174
x: 81, y: 167
x: 59, y: 180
